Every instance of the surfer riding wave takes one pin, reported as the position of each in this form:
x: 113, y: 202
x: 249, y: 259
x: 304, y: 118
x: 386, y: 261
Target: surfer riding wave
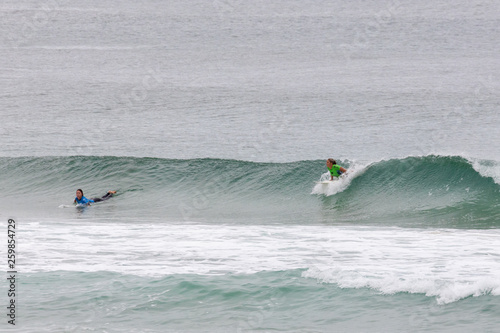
x: 335, y: 170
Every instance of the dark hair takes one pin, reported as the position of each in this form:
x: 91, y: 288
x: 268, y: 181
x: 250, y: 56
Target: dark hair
x: 331, y: 160
x: 80, y: 191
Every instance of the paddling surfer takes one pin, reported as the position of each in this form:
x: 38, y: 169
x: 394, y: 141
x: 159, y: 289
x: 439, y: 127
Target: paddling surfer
x: 80, y: 199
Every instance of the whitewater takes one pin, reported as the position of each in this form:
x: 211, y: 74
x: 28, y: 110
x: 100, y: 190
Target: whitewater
x: 213, y: 122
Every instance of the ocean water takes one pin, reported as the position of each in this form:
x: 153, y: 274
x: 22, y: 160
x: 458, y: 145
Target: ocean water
x: 213, y: 121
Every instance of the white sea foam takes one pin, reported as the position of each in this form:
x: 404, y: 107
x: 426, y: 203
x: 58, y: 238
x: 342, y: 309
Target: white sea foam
x: 446, y: 264
x: 487, y: 168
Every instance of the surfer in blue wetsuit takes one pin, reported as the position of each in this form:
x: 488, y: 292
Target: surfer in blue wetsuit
x: 81, y: 200
x: 335, y: 170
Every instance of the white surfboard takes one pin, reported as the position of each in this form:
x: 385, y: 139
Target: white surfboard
x: 326, y: 182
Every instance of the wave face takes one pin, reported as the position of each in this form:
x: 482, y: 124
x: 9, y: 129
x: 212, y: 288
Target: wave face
x: 446, y: 191
x: 428, y: 191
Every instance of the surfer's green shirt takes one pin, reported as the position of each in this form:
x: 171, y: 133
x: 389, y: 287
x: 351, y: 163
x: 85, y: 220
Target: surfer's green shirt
x: 335, y: 170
